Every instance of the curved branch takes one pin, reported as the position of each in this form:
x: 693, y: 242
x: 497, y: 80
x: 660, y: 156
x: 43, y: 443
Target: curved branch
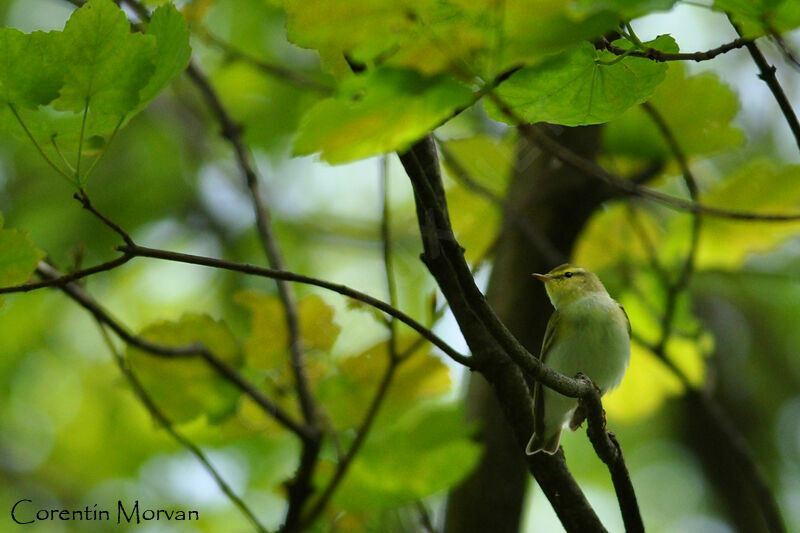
x: 735, y: 442
x: 767, y: 74
x: 484, y: 331
x: 68, y: 278
x: 658, y: 55
x: 101, y: 315
x: 141, y: 251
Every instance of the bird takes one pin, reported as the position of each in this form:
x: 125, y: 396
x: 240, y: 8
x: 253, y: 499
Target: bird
x: 589, y: 332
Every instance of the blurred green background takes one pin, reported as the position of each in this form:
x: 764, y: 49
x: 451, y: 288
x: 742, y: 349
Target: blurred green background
x: 72, y: 433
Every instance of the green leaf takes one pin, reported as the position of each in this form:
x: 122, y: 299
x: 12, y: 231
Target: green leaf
x: 488, y: 163
x: 347, y: 393
x: 613, y: 236
x: 701, y: 124
x: 465, y: 36
x: 18, y: 257
x: 173, y: 52
x: 425, y: 451
x: 31, y: 69
x: 382, y: 111
x: 267, y: 347
x: 575, y: 88
x: 649, y: 382
x: 187, y: 387
x: 106, y: 64
x: 759, y: 186
x: 758, y: 17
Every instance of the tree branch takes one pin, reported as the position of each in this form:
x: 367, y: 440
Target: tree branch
x: 355, y: 447
x: 767, y: 74
x: 533, y: 235
x: 271, y: 69
x: 68, y: 278
x: 79, y: 295
x: 591, y: 168
x: 140, y: 251
x: 658, y: 55
x: 736, y: 443
x: 144, y: 398
x: 487, y: 337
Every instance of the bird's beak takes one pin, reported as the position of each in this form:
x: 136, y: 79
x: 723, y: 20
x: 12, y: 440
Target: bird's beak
x: 542, y: 277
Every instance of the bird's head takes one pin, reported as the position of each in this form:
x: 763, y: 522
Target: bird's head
x: 567, y: 283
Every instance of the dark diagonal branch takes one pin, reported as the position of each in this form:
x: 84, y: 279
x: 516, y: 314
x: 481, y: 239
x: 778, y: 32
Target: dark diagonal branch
x: 80, y: 296
x: 140, y: 251
x: 486, y: 335
x: 134, y: 250
x: 767, y: 74
x: 144, y: 398
x: 658, y: 55
x: 609, y: 451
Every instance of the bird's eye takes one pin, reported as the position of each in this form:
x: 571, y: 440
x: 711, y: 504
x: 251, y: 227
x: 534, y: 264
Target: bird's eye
x: 567, y: 274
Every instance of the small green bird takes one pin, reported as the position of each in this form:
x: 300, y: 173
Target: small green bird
x: 589, y: 332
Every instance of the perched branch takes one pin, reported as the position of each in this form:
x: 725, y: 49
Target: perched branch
x: 486, y: 335
x: 83, y: 298
x: 144, y: 398
x: 609, y: 451
x: 658, y: 55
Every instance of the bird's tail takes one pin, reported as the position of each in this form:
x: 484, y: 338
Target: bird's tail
x: 543, y: 443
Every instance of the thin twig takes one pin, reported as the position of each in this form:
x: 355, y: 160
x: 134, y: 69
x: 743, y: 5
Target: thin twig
x: 141, y: 251
x: 531, y: 232
x: 591, y: 168
x: 79, y: 295
x: 737, y: 444
x: 68, y: 278
x: 767, y: 74
x: 149, y: 404
x: 271, y: 69
x: 355, y: 447
x: 788, y: 53
x: 658, y: 55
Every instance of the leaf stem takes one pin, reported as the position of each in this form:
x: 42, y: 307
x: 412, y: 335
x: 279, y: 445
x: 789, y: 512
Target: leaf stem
x: 80, y: 144
x: 105, y: 147
x: 39, y: 148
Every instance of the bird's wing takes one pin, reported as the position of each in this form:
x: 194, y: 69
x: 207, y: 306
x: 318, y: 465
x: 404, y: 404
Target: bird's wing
x: 538, y: 397
x: 627, y: 320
